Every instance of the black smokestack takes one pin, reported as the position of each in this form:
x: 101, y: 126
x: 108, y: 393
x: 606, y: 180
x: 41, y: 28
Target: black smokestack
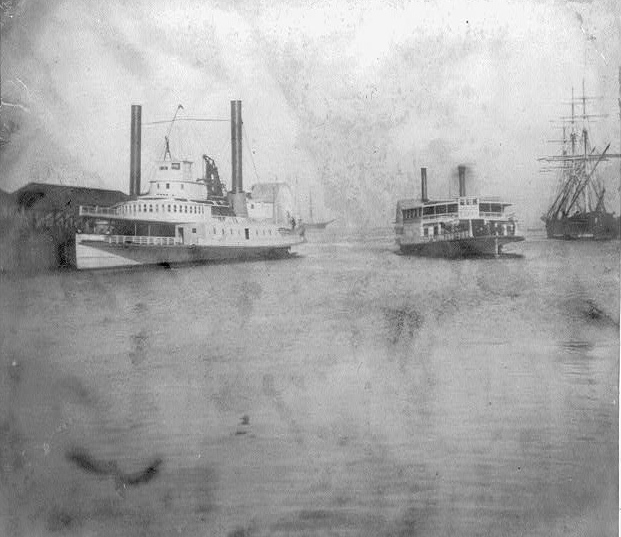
x: 462, y: 180
x: 423, y: 184
x: 134, y: 157
x: 236, y: 147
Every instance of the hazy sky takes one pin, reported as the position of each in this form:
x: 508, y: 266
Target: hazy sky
x: 349, y: 99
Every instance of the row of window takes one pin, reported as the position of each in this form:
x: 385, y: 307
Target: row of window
x: 408, y: 214
x: 247, y: 231
x: 430, y: 210
x: 134, y: 208
x: 167, y: 185
x: 490, y: 207
x: 173, y: 166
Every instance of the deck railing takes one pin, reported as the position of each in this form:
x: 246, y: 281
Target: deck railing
x: 94, y: 210
x: 456, y: 235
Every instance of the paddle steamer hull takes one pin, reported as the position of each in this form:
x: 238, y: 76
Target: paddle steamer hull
x: 95, y: 252
x: 490, y: 246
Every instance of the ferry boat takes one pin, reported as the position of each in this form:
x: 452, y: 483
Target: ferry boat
x: 179, y: 219
x: 464, y: 226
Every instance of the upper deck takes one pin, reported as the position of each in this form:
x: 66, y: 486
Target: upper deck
x: 460, y: 208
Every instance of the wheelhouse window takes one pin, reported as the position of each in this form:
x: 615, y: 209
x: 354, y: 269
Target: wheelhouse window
x: 167, y: 186
x: 175, y: 166
x: 428, y: 210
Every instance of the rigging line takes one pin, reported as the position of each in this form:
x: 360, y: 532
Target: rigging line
x: 197, y: 119
x: 179, y: 107
x: 250, y: 151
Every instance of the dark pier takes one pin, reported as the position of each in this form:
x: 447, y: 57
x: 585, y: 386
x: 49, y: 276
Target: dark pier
x: 39, y: 221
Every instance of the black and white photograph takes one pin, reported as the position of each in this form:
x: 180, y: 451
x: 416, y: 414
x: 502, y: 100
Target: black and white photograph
x: 313, y: 269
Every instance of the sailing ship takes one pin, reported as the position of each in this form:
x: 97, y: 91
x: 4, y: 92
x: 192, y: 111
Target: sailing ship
x: 579, y: 210
x: 311, y: 224
x: 179, y: 219
x: 464, y: 226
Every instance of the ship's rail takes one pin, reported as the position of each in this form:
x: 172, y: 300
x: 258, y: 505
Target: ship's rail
x: 456, y: 216
x: 142, y: 240
x: 458, y: 235
x: 443, y: 216
x: 491, y: 213
x: 455, y: 235
x: 95, y: 210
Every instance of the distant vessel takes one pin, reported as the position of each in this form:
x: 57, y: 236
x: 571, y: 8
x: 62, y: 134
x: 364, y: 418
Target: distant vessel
x: 311, y: 224
x: 464, y: 226
x: 579, y: 207
x: 180, y: 219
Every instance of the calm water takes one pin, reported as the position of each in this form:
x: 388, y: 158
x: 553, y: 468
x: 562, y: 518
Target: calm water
x: 350, y: 391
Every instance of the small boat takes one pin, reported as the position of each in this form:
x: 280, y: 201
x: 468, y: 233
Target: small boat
x: 464, y: 226
x: 180, y: 219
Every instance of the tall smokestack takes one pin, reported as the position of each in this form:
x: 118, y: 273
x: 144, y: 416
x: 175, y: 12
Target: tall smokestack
x: 423, y: 184
x: 237, y: 195
x: 135, y: 149
x: 236, y: 147
x: 462, y: 181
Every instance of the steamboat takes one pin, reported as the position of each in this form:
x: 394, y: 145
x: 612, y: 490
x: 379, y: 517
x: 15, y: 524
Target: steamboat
x: 464, y: 226
x: 180, y: 219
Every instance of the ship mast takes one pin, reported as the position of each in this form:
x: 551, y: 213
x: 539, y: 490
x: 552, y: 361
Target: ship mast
x: 166, y: 138
x: 578, y: 188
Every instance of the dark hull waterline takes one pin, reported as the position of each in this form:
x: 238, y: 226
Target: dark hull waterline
x: 488, y: 246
